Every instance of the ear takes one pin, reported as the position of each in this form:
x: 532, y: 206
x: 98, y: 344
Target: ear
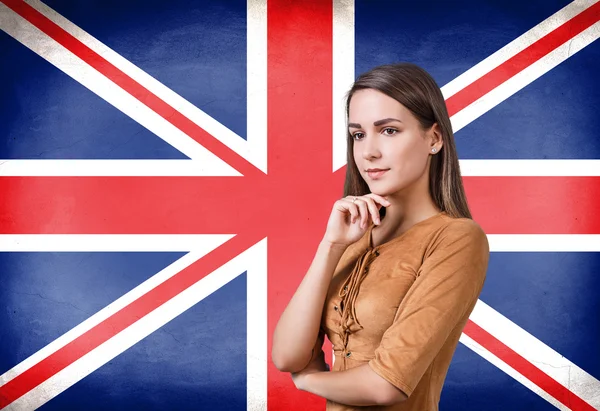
x: 435, y: 138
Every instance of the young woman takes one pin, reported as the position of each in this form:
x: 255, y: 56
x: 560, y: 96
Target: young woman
x: 401, y: 263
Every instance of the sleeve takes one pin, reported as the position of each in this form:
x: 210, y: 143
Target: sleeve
x: 446, y: 288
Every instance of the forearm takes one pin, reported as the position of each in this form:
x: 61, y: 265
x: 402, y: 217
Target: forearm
x: 298, y: 326
x: 359, y: 386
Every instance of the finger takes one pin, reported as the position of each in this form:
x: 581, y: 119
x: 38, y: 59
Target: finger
x: 369, y: 209
x: 355, y: 212
x: 373, y: 209
x: 353, y: 204
x: 380, y: 199
x: 364, y: 212
x: 351, y: 207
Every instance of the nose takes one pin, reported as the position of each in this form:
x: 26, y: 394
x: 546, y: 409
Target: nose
x: 370, y: 147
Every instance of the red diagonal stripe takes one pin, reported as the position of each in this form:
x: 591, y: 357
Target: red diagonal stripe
x: 122, y: 319
x: 523, y: 59
x: 131, y: 86
x: 525, y: 368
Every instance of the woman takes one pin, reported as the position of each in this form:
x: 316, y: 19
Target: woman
x: 401, y: 264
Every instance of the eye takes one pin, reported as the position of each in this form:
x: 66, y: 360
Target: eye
x: 357, y: 135
x: 388, y: 131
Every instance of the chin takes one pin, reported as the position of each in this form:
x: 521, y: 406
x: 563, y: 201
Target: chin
x: 383, y: 189
x: 383, y: 192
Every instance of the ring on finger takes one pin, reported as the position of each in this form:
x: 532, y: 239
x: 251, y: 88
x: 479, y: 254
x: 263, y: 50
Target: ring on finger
x: 355, y: 198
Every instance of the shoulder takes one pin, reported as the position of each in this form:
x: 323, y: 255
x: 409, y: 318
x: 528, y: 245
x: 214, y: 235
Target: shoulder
x: 460, y: 233
x: 462, y: 226
x: 459, y: 249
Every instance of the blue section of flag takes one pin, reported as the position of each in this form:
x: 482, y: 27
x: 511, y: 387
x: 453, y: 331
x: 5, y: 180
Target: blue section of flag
x: 197, y: 49
x: 473, y: 383
x: 45, y: 114
x: 445, y: 38
x: 553, y: 296
x: 44, y: 295
x: 195, y: 362
x: 553, y: 117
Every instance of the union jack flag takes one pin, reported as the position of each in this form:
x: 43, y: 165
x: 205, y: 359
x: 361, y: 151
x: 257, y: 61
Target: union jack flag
x: 168, y: 169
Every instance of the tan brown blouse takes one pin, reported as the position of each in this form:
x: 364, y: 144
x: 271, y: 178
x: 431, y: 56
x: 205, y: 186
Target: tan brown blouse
x: 401, y: 306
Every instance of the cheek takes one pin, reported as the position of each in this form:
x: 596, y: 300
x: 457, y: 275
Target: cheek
x: 411, y: 161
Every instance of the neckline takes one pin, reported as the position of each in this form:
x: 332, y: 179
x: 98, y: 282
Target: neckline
x: 393, y: 240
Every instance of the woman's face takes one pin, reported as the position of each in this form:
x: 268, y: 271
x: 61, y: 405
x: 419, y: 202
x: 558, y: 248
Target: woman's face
x: 388, y: 137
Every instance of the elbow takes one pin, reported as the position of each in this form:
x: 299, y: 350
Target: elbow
x: 390, y: 395
x: 285, y: 363
x: 281, y: 364
x: 383, y: 391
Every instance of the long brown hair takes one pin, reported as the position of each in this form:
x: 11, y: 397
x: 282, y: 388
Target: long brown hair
x: 416, y: 90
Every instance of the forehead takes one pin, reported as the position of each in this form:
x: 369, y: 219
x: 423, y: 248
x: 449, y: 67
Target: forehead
x: 372, y: 105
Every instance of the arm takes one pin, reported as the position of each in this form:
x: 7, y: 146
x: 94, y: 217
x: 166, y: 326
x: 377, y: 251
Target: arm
x: 438, y: 303
x: 299, y: 325
x: 448, y: 285
x: 359, y: 386
x: 298, y: 330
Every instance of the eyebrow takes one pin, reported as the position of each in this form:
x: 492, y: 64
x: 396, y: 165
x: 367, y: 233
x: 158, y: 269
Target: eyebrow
x: 377, y: 123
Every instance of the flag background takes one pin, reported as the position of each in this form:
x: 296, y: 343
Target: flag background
x: 206, y: 356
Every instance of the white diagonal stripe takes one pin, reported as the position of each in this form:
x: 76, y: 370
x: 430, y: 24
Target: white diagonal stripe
x: 202, y: 244
x: 254, y: 153
x: 552, y: 363
x: 140, y: 329
x: 483, y: 352
x: 102, y: 315
x: 40, y: 43
x: 343, y: 38
x: 524, y: 77
x: 516, y: 46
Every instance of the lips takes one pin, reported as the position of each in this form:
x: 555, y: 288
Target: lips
x: 376, y: 173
